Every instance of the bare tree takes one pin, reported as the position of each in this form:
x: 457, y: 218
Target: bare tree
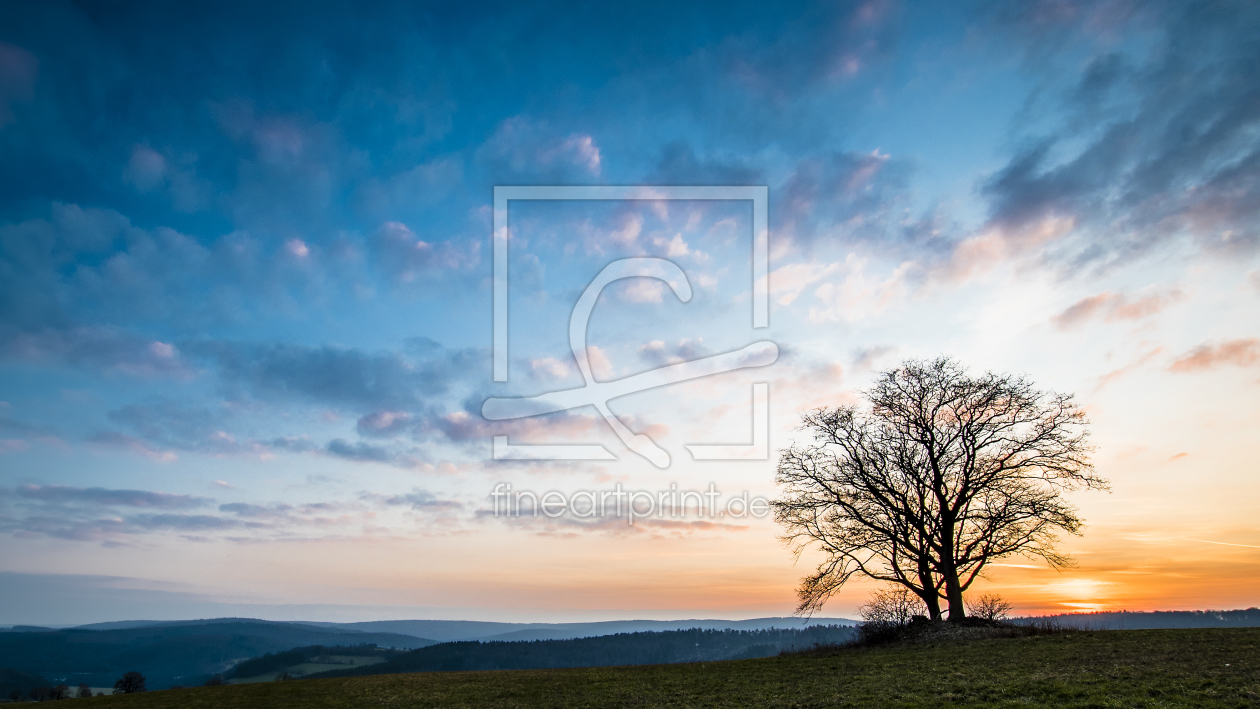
x: 936, y: 475
x: 989, y: 606
x: 130, y: 683
x: 84, y: 691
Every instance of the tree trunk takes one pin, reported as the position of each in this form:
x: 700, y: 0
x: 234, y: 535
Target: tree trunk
x: 930, y: 599
x: 953, y: 588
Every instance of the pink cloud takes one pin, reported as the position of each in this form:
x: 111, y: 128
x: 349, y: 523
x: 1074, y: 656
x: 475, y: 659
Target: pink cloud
x: 1112, y: 307
x: 1241, y: 353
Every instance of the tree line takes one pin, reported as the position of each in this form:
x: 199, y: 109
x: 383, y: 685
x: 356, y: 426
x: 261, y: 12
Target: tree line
x: 644, y: 648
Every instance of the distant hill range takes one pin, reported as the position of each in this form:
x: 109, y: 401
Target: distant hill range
x: 453, y: 630
x: 188, y: 652
x: 168, y: 653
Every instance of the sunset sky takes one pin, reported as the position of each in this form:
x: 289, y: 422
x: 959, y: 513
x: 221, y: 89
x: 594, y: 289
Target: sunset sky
x: 246, y: 275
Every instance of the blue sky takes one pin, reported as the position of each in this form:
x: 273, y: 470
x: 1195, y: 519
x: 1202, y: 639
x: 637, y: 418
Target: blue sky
x: 245, y: 284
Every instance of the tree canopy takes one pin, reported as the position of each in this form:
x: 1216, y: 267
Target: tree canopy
x: 935, y: 475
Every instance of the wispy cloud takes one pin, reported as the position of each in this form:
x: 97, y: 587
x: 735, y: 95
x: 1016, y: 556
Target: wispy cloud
x: 1111, y: 306
x: 1240, y: 353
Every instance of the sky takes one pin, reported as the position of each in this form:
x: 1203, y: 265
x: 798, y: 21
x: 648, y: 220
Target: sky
x: 247, y: 277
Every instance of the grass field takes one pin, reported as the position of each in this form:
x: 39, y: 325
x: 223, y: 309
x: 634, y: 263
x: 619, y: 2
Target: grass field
x: 310, y: 668
x: 1120, y: 668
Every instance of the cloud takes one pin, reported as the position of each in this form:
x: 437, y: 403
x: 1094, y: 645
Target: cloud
x: 133, y: 444
x: 112, y: 516
x: 337, y: 377
x: 84, y: 278
x: 418, y: 500
x: 401, y: 253
x: 146, y: 169
x: 858, y: 294
x: 867, y: 357
x: 384, y: 424
x: 1167, y: 140
x: 658, y: 353
x: 103, y: 348
x: 549, y: 368
x: 282, y: 516
x: 844, y: 196
x: 680, y: 165
x: 18, y: 70
x: 1240, y: 353
x: 1115, y: 374
x: 1112, y: 307
x: 464, y: 426
x: 530, y: 149
x: 678, y: 248
x: 363, y: 452
x: 642, y: 290
x: 107, y: 497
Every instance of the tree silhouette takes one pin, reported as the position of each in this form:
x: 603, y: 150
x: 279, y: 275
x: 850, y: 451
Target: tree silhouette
x: 937, y: 474
x: 130, y: 683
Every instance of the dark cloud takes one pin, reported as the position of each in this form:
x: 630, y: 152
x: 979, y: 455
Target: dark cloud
x: 679, y: 165
x: 419, y: 500
x: 363, y: 452
x: 18, y: 69
x: 1163, y: 144
x: 338, y: 377
x: 107, y: 497
x: 113, y: 516
x: 173, y: 425
x: 98, y: 348
x: 852, y: 197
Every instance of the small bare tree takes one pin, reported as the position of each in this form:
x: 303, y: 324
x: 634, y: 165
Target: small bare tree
x: 938, y: 474
x: 892, y: 605
x: 84, y: 691
x: 129, y: 683
x: 989, y: 606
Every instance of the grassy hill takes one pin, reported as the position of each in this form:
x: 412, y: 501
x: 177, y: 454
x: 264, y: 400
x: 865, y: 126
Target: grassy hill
x: 1130, y: 668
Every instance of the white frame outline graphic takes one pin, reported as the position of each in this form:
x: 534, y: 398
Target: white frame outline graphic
x: 757, y: 194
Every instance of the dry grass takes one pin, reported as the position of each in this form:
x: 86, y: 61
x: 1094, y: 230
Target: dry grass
x: 1135, y: 668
